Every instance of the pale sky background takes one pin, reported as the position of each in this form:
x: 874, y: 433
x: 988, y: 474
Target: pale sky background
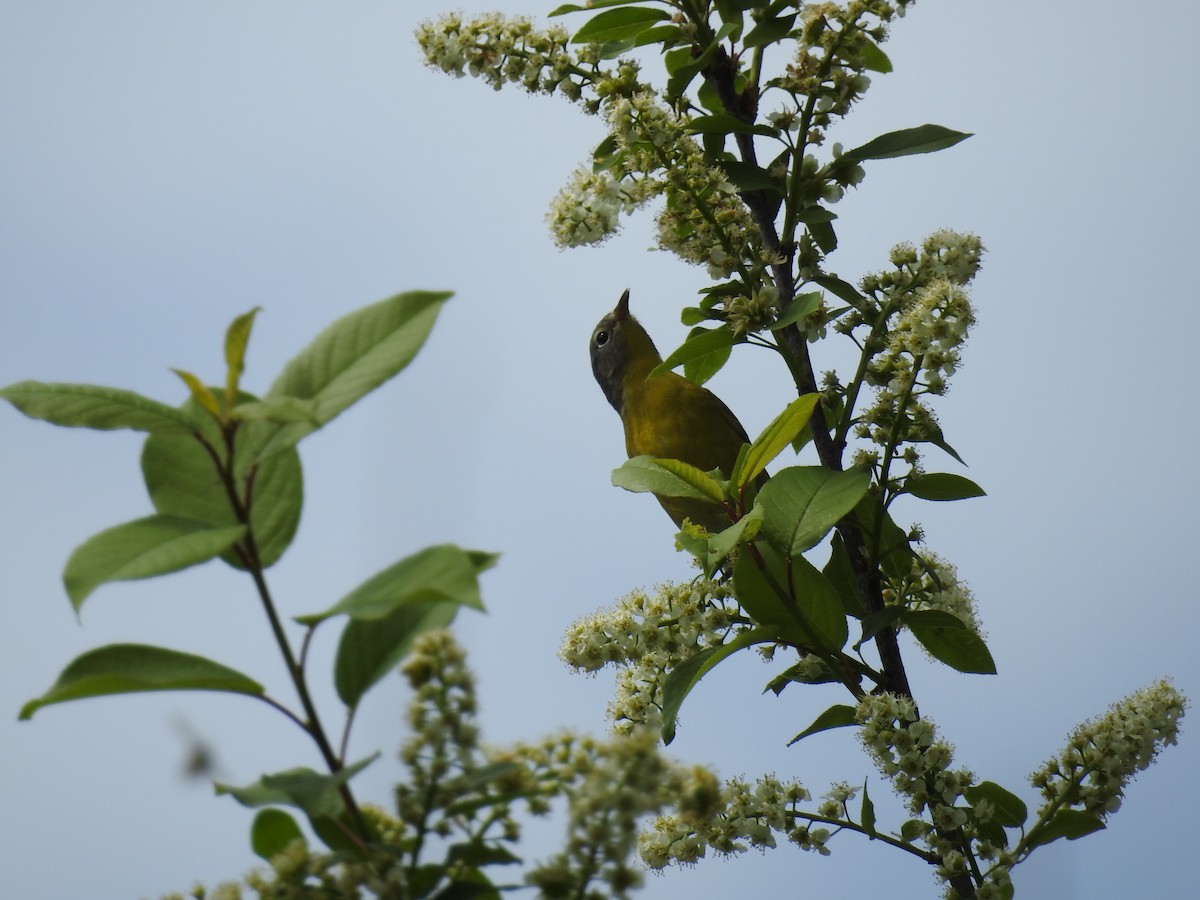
x: 165, y: 167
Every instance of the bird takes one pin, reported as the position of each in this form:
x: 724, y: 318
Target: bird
x: 665, y: 416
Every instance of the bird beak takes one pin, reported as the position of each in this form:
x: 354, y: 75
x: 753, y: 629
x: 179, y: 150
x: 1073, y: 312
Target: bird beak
x: 622, y: 310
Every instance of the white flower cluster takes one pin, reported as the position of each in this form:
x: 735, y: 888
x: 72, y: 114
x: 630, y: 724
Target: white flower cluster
x: 705, y: 221
x: 738, y: 817
x: 501, y: 49
x: 1105, y: 753
x: 647, y: 636
x: 587, y: 210
x: 920, y: 319
x: 932, y: 583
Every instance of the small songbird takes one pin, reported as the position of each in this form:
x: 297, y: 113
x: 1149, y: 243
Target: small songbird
x: 667, y: 415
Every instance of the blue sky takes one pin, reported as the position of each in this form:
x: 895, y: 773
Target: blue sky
x: 165, y: 167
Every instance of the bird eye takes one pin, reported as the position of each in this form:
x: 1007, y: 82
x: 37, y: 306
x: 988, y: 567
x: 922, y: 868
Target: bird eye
x: 601, y: 338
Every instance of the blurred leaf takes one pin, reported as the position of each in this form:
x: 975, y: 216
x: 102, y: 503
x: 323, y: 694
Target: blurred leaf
x: 314, y: 793
x: 841, y: 289
x: 143, y: 548
x: 800, y: 504
x: 237, y: 337
x: 769, y: 30
x: 875, y: 622
x: 1009, y: 810
x: 801, y: 307
x: 874, y: 59
x: 868, y: 813
x: 280, y: 410
x: 1071, y: 824
x: 133, y: 668
x: 642, y: 474
x: 182, y: 480
x: 273, y: 830
x: 749, y: 177
x: 837, y: 716
x: 618, y: 25
x: 773, y: 439
x: 922, y: 139
x: 942, y: 486
x: 687, y: 674
x: 444, y: 573
x: 724, y: 123
x: 92, y: 406
x: 591, y: 6
x: 841, y: 575
x: 201, y: 393
x: 352, y: 357
x: 950, y: 641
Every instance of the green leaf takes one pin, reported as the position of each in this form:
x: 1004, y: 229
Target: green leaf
x: 868, y: 813
x: 280, y: 410
x: 702, y: 347
x: 687, y: 674
x: 201, y: 393
x: 724, y: 123
x: 272, y: 832
x: 942, y: 486
x: 352, y: 357
x: 824, y: 235
x: 370, y: 649
x: 92, y: 406
x: 645, y: 474
x: 237, y: 337
x: 815, y: 598
x: 773, y: 439
x: 444, y: 573
x: 769, y: 31
x: 950, y: 641
x: 143, y: 548
x: 132, y: 668
x: 819, y: 601
x: 749, y: 177
x: 842, y: 289
x: 922, y: 139
x: 874, y: 59
x: 815, y: 215
x: 720, y: 545
x: 592, y: 6
x: 841, y: 575
x: 875, y: 622
x: 800, y: 504
x: 837, y: 716
x: 1071, y: 824
x: 182, y: 481
x: 618, y: 25
x: 314, y: 793
x: 801, y: 307
x: 1009, y: 810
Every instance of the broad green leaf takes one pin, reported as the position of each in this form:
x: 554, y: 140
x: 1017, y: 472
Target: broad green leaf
x: 801, y: 307
x: 942, y: 486
x: 720, y: 545
x: 868, y: 812
x: 841, y: 575
x: 699, y: 348
x: 724, y: 123
x: 687, y: 674
x: 181, y: 479
x: 143, y: 548
x: 237, y: 338
x: 823, y: 234
x: 370, y: 649
x: 280, y: 410
x: 874, y: 58
x: 749, y: 177
x: 837, y: 716
x: 800, y: 504
x: 1009, y: 810
x: 201, y: 393
x: 92, y: 406
x: 949, y: 640
x: 922, y: 139
x: 701, y: 481
x: 272, y: 832
x: 352, y: 357
x: 642, y: 474
x: 773, y: 439
x: 769, y: 31
x: 592, y: 6
x: 618, y: 25
x: 819, y: 601
x: 314, y: 793
x: 133, y: 668
x: 444, y: 573
x: 815, y: 215
x: 1071, y: 824
x: 881, y: 532
x: 841, y: 289
x: 875, y: 622
x: 815, y: 598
